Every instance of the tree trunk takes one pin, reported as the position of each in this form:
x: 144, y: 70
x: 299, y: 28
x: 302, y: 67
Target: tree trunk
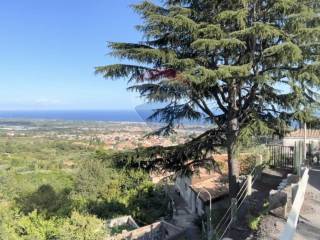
x: 233, y: 166
x: 232, y: 133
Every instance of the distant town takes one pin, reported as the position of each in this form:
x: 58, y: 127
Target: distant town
x: 110, y: 135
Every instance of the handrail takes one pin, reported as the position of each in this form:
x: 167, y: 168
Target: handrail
x: 244, y: 183
x: 223, y: 218
x: 210, y: 206
x: 242, y: 193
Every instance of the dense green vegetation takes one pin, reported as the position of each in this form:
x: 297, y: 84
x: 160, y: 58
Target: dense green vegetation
x: 52, y: 188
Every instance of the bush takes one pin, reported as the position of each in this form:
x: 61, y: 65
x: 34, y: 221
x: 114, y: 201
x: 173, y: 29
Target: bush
x: 82, y: 227
x: 47, y: 201
x: 107, y: 193
x: 35, y: 226
x: 148, y: 204
x: 7, y: 222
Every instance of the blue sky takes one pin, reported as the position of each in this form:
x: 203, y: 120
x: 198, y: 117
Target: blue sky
x: 48, y: 51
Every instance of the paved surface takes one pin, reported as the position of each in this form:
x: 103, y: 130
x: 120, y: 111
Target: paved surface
x: 183, y: 218
x: 309, y: 221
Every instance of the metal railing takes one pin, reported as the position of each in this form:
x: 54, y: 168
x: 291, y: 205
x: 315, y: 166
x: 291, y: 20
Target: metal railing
x: 281, y: 156
x: 223, y: 224
x: 228, y: 218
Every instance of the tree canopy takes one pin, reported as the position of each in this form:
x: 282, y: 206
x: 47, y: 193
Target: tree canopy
x: 242, y: 65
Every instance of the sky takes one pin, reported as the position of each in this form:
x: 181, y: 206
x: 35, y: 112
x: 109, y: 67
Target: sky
x: 48, y: 51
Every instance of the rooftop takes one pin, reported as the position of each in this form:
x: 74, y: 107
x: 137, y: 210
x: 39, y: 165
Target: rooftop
x: 311, y: 133
x: 209, y: 181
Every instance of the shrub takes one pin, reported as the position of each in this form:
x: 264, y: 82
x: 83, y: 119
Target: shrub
x: 82, y: 227
x: 46, y: 200
x: 35, y: 226
x: 253, y: 222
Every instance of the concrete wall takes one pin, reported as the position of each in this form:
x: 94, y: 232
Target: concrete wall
x: 195, y: 205
x: 120, y: 221
x: 156, y: 231
x: 291, y: 141
x: 182, y: 185
x: 150, y: 232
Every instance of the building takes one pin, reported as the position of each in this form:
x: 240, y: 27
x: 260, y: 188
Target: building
x: 312, y: 138
x: 201, y: 188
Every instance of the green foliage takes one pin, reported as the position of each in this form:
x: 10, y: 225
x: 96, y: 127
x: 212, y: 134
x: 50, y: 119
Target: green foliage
x: 82, y: 227
x: 148, y: 203
x: 8, y: 217
x: 92, y: 178
x: 108, y: 193
x: 211, y: 45
x: 40, y: 153
x: 42, y: 202
x: 35, y: 226
x: 253, y: 222
x: 244, y: 66
x: 119, y: 229
x: 47, y: 201
x: 16, y: 185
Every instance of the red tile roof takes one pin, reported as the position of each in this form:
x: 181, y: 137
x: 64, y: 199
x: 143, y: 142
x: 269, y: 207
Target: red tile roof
x: 311, y: 133
x: 213, y: 182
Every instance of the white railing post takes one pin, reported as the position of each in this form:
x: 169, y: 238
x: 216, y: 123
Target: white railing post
x: 249, y: 185
x: 301, y: 158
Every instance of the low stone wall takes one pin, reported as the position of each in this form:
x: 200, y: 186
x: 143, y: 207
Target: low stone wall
x: 156, y: 231
x: 280, y: 200
x: 120, y: 221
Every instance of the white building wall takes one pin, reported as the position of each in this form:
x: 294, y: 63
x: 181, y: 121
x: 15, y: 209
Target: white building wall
x: 182, y: 184
x: 291, y: 141
x: 195, y: 205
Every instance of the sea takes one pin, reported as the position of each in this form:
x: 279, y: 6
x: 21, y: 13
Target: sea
x: 78, y: 115
x: 139, y: 116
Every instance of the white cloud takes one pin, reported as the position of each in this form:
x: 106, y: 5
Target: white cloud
x: 47, y: 102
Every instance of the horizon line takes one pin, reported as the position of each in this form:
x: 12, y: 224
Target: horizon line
x: 39, y: 110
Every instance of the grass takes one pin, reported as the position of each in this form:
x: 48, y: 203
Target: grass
x: 255, y: 220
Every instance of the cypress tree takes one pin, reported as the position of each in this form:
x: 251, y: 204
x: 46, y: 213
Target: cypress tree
x: 243, y: 65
